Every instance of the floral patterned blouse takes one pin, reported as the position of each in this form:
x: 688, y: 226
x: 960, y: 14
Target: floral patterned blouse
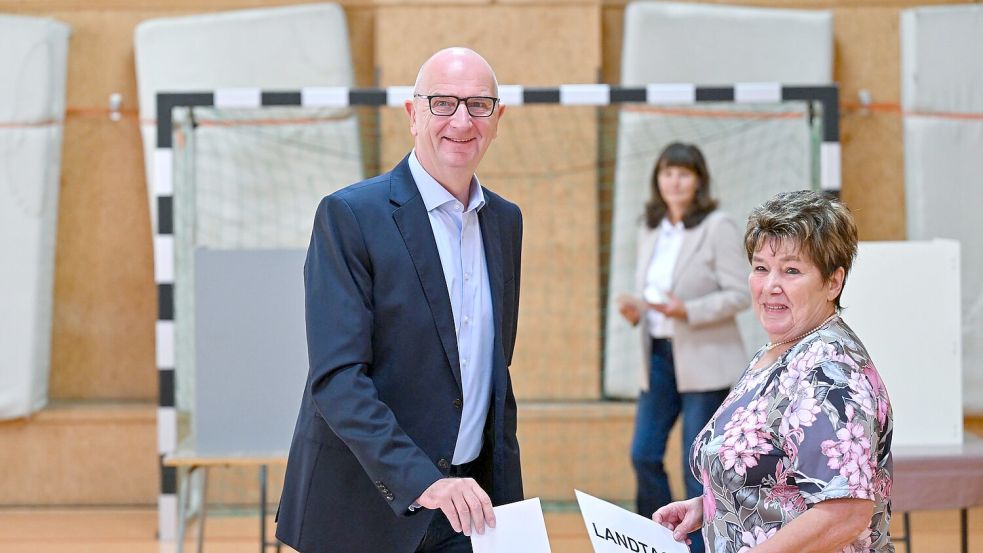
x: 815, y: 425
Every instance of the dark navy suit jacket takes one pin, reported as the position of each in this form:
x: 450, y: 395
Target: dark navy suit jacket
x: 381, y: 410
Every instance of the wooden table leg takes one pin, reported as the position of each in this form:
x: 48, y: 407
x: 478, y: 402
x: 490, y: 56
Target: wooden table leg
x: 907, y: 531
x: 964, y: 528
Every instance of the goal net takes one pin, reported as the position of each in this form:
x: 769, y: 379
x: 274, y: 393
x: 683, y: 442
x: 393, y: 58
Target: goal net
x: 252, y: 178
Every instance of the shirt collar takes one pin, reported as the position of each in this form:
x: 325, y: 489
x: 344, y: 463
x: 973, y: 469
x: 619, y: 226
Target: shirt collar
x: 667, y: 227
x: 434, y: 195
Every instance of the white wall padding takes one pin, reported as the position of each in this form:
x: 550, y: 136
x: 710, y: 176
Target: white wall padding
x: 748, y: 160
x: 942, y: 98
x: 268, y: 49
x: 707, y: 45
x: 33, y: 62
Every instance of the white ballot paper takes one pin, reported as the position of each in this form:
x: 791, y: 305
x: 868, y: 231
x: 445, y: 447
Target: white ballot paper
x: 519, y: 527
x: 615, y: 530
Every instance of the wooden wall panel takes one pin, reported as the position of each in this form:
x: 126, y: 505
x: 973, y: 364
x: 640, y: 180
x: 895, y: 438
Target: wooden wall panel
x: 587, y: 446
x: 868, y: 57
x: 873, y: 173
x: 80, y: 454
x: 361, y: 33
x: 526, y: 44
x: 544, y: 159
x: 105, y: 302
x: 612, y: 36
x: 811, y: 4
x: 105, y: 299
x: 104, y: 295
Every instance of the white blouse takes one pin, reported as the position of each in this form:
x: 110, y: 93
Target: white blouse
x: 658, y: 278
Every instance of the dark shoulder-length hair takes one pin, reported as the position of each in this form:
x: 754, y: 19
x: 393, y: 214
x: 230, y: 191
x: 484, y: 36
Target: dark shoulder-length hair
x: 689, y: 157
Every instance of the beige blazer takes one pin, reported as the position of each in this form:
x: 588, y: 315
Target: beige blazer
x: 710, y: 277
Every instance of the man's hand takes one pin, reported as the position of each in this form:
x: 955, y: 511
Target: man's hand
x: 463, y: 502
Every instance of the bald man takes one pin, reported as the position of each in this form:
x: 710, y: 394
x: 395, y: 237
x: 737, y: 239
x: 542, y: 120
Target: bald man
x: 406, y: 433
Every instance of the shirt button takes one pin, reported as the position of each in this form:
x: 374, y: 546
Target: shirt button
x: 467, y: 276
x: 466, y: 319
x: 464, y: 362
x: 458, y: 206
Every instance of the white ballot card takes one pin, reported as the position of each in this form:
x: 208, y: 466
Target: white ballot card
x: 615, y: 530
x: 654, y: 295
x: 519, y: 527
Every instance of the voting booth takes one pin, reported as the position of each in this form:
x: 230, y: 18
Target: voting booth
x: 903, y: 299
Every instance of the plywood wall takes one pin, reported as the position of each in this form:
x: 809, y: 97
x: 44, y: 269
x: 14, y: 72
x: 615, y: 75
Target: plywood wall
x: 868, y: 54
x: 558, y: 352
x: 105, y: 301
x: 866, y: 57
x: 105, y: 304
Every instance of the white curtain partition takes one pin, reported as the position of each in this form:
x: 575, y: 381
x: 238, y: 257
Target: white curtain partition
x: 33, y: 62
x: 942, y: 97
x: 709, y: 45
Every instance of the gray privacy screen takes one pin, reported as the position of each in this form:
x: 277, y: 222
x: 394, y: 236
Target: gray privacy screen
x: 250, y: 350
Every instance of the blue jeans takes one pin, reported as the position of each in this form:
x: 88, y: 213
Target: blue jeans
x: 658, y: 409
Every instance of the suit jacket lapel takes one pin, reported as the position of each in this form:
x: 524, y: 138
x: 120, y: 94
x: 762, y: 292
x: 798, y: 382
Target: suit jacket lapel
x: 691, y: 241
x: 413, y: 222
x: 492, y: 241
x: 491, y: 238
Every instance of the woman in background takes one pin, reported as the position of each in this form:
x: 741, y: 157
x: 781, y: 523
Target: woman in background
x: 690, y: 285
x: 798, y: 458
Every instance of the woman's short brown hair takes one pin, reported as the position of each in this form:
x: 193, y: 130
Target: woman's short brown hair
x: 689, y: 157
x: 816, y: 223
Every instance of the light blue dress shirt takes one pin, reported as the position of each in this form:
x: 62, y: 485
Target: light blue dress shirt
x: 462, y: 257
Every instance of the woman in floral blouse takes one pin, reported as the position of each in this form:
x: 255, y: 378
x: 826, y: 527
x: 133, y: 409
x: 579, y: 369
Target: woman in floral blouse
x: 798, y: 457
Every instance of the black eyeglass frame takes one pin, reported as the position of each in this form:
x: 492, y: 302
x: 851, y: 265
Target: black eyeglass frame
x: 430, y: 98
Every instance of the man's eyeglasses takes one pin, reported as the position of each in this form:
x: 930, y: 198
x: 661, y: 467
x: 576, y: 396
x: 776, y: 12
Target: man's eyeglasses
x: 477, y: 106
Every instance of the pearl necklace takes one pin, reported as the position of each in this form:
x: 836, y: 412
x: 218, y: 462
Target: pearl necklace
x: 769, y: 346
